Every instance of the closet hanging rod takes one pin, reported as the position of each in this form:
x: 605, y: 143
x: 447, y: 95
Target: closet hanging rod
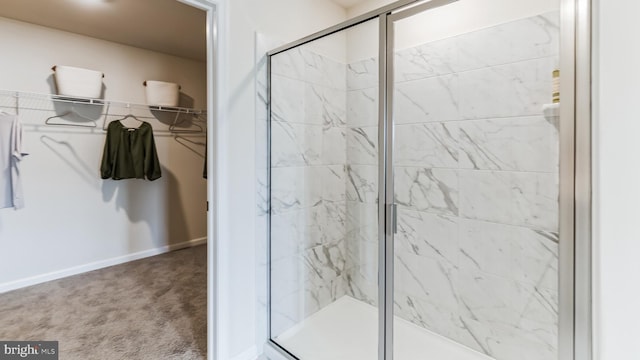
x: 88, y: 101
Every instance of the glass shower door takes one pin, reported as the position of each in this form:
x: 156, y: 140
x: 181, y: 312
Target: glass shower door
x: 324, y: 196
x: 475, y: 180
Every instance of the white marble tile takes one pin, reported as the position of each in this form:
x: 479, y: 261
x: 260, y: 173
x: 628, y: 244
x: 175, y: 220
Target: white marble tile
x: 534, y: 258
x: 427, y: 145
x: 536, y: 200
x: 325, y: 182
x: 362, y: 183
x: 286, y: 276
x: 516, y: 89
x: 334, y: 145
x: 511, y: 252
x: 539, y: 321
x: 361, y: 215
x: 363, y: 233
x: 362, y: 145
x: 508, y: 343
x: 524, y: 199
x: 287, y: 189
x: 424, y: 189
x: 334, y: 222
x: 262, y: 192
x: 426, y: 100
x: 491, y: 299
x: 487, y: 247
x: 313, y: 185
x: 360, y: 288
x: 426, y: 278
x: 261, y: 143
x: 334, y: 179
x: 295, y: 144
x: 323, y: 276
x: 522, y: 144
x: 361, y: 228
x: 429, y: 235
x: 325, y: 106
x: 287, y: 99
x: 303, y: 63
x: 287, y: 234
x: 551, y: 21
x: 362, y: 107
x: 427, y: 60
x: 323, y: 264
x: 363, y: 74
x: 289, y: 63
x: 321, y: 70
x: 317, y: 296
x: 529, y: 38
x: 287, y: 312
x: 442, y: 321
x: 487, y: 195
x: 364, y: 256
x: 311, y: 224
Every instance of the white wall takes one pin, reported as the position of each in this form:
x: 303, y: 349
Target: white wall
x: 73, y: 218
x: 282, y: 20
x: 616, y: 180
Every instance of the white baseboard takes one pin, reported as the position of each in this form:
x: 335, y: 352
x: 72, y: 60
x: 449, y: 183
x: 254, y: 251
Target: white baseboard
x: 249, y: 354
x: 55, y: 275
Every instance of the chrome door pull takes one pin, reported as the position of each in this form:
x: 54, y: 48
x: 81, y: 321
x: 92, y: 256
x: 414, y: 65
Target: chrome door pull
x: 392, y: 219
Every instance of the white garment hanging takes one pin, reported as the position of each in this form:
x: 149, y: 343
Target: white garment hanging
x: 11, y: 153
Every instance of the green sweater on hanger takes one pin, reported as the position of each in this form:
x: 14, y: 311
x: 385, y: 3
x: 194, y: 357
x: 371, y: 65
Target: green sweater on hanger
x: 130, y: 153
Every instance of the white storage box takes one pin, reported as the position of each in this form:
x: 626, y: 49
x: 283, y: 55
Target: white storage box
x: 161, y: 93
x: 78, y: 82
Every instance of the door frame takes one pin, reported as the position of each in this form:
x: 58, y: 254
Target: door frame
x: 217, y: 94
x: 575, y: 203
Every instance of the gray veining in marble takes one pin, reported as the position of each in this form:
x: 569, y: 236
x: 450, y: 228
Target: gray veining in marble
x: 426, y: 189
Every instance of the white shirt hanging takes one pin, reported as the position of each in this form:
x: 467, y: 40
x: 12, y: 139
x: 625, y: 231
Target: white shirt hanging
x: 11, y: 153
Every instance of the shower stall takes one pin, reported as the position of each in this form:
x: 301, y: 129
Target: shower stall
x: 415, y: 176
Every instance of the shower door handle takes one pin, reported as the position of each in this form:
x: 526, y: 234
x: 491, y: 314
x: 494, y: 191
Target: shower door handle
x: 392, y: 219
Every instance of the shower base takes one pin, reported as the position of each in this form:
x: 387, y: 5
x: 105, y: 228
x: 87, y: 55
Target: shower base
x: 348, y: 330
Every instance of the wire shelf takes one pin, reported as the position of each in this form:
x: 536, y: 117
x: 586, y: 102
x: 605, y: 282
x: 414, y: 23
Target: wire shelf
x: 30, y: 101
x: 62, y: 106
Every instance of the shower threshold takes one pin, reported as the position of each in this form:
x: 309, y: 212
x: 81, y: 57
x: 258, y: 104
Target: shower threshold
x: 347, y: 329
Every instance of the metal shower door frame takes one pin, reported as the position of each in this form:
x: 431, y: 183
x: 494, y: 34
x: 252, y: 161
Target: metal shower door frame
x: 574, y: 308
x: 388, y: 210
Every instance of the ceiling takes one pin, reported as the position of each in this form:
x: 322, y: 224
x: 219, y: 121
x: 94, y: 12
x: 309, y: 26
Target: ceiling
x: 167, y: 26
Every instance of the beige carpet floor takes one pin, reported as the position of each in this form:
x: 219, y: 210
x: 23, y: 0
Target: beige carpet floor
x: 150, y: 309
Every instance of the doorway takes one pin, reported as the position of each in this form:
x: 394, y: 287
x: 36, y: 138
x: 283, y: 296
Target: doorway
x: 130, y: 203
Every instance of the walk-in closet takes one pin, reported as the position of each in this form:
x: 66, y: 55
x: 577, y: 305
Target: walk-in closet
x: 76, y: 229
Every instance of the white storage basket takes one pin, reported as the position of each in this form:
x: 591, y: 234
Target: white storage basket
x: 78, y: 82
x: 161, y: 93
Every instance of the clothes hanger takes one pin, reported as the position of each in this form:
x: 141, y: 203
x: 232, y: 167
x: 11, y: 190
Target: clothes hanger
x: 172, y: 127
x: 129, y: 116
x: 71, y: 111
x: 192, y: 145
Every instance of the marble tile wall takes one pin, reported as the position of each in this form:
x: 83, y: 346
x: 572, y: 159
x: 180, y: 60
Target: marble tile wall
x: 476, y: 177
x: 308, y: 191
x: 362, y: 180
